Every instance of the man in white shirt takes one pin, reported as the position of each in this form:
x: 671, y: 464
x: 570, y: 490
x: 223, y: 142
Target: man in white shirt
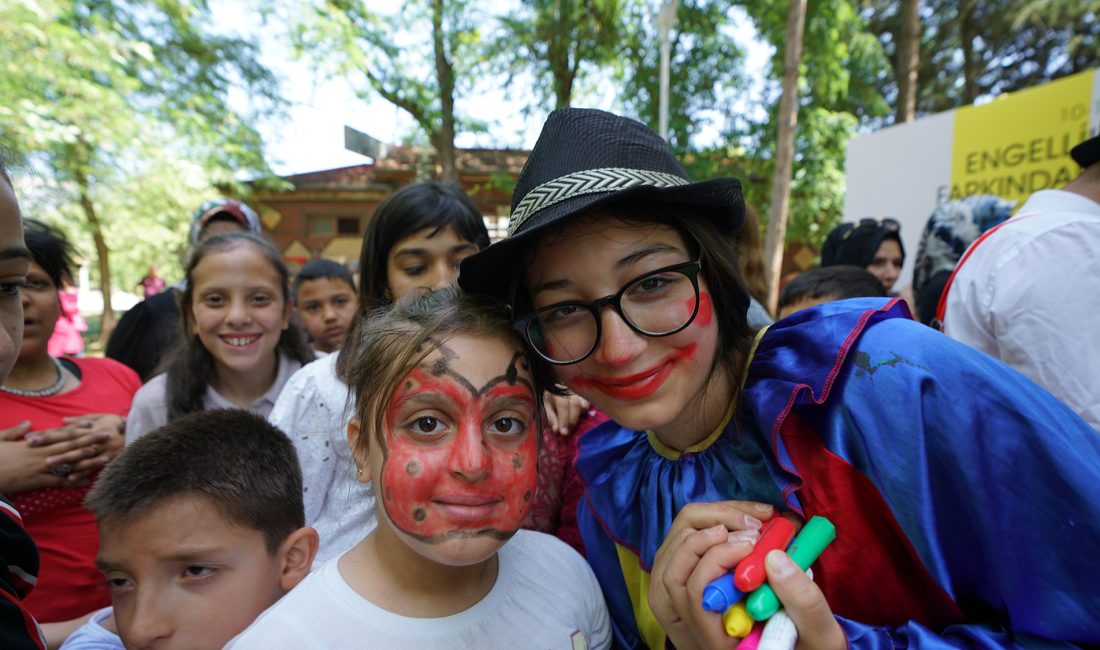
x: 1029, y: 294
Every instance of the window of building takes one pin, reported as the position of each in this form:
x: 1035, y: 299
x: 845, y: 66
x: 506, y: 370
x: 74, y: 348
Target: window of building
x: 320, y: 226
x: 325, y: 225
x: 347, y: 225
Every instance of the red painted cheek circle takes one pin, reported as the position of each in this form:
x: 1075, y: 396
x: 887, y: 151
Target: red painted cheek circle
x: 518, y: 480
x: 705, y: 314
x: 413, y: 480
x: 407, y: 479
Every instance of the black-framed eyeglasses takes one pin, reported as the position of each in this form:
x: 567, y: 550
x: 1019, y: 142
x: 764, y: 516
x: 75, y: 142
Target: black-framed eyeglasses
x: 658, y: 303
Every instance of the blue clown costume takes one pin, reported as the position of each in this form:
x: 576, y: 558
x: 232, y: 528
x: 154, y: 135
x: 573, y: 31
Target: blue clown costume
x: 962, y: 493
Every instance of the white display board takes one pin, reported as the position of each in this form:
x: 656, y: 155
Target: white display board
x: 1012, y: 146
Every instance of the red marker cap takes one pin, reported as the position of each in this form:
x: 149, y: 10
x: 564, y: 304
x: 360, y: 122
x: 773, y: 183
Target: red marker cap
x: 775, y: 535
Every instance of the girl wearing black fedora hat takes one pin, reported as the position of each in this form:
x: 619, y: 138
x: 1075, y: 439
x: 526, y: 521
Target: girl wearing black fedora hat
x: 623, y: 281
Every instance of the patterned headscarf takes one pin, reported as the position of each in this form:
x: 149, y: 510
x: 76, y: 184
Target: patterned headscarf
x: 238, y: 210
x: 953, y: 226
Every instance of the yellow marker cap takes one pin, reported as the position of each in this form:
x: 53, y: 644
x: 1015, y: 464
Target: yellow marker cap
x: 736, y: 621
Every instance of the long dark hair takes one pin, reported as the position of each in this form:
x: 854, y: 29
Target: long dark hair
x: 721, y: 270
x: 405, y: 212
x: 191, y: 367
x: 750, y: 255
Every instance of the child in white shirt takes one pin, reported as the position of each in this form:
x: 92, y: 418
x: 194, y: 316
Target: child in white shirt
x: 446, y: 428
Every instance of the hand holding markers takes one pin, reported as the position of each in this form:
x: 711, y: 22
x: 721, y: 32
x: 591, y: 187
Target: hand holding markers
x: 705, y: 540
x: 726, y: 594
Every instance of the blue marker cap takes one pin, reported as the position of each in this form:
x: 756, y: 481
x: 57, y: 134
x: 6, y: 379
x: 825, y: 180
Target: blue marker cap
x: 721, y: 594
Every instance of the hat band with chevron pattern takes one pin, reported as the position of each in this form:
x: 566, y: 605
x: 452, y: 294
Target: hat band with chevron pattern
x: 589, y: 181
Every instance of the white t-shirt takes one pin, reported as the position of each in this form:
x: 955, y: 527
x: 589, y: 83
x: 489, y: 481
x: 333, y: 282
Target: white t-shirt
x: 545, y: 597
x: 1029, y: 295
x: 314, y: 410
x: 93, y: 636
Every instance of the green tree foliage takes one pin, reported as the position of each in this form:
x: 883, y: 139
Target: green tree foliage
x: 556, y: 41
x: 550, y: 44
x: 123, y: 108
x: 842, y: 66
x: 972, y: 49
x: 418, y: 57
x: 707, y: 79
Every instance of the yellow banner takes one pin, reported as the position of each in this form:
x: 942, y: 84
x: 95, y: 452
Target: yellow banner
x: 1019, y: 143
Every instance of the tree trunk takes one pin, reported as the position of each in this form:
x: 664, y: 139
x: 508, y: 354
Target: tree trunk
x: 558, y: 51
x: 107, y: 324
x: 967, y: 35
x: 784, y: 152
x: 563, y: 90
x: 908, y: 60
x: 444, y: 140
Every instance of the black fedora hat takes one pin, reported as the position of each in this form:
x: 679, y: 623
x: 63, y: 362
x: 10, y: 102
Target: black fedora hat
x: 585, y: 159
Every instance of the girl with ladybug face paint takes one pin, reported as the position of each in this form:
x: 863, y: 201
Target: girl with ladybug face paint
x: 456, y: 465
x: 445, y: 431
x: 445, y: 428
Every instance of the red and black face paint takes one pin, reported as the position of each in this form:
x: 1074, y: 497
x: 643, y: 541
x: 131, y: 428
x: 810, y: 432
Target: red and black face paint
x: 460, y: 460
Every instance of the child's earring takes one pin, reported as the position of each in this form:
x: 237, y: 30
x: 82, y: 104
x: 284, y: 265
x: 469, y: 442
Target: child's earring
x: 387, y: 295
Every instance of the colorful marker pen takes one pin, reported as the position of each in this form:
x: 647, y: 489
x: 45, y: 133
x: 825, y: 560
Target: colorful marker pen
x: 752, y: 639
x: 818, y: 533
x: 737, y: 621
x: 721, y: 594
x: 779, y: 633
x: 775, y: 536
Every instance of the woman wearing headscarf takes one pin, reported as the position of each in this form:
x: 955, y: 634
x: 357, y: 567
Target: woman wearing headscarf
x: 872, y: 244
x: 953, y: 226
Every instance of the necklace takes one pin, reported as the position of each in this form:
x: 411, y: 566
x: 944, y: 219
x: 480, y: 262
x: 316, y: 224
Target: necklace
x: 44, y: 392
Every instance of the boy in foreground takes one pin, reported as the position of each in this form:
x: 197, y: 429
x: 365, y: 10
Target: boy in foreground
x: 200, y: 530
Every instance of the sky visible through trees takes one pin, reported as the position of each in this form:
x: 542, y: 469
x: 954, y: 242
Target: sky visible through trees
x: 127, y: 113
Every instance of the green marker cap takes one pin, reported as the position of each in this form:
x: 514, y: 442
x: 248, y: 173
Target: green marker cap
x: 818, y: 533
